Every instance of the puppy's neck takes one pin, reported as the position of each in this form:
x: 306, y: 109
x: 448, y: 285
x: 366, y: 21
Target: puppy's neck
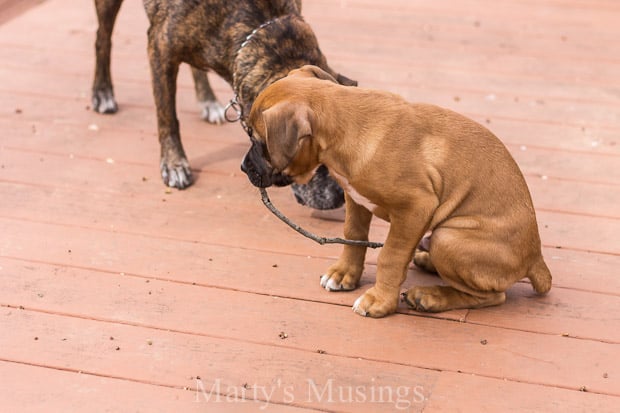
x: 335, y: 129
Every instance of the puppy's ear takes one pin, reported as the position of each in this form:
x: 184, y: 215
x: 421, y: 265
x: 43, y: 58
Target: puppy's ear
x: 285, y: 125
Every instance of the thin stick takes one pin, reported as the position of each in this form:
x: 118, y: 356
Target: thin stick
x: 320, y: 240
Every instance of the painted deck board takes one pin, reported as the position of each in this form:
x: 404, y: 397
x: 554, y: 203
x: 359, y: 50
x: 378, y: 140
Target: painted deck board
x: 118, y: 295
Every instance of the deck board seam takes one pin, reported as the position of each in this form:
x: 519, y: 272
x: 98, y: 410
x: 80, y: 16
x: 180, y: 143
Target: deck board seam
x: 401, y: 312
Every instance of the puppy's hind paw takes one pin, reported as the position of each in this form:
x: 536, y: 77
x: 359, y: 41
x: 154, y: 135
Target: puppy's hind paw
x: 422, y: 260
x: 424, y: 299
x: 103, y: 101
x: 212, y: 112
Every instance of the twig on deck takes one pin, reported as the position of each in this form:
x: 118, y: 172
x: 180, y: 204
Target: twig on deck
x: 320, y: 240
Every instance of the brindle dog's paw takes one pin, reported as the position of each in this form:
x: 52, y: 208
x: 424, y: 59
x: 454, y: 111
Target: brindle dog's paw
x: 103, y: 101
x: 374, y: 304
x: 176, y: 174
x: 212, y: 112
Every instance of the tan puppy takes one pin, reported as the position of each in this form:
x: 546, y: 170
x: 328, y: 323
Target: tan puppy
x: 418, y: 166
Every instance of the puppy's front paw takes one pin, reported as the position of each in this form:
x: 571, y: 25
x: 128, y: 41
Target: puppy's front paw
x: 341, y: 278
x: 212, y: 112
x: 375, y: 304
x: 331, y: 284
x: 176, y: 174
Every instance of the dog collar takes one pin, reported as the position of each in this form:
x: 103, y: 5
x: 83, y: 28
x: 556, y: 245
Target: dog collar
x: 247, y: 40
x: 235, y: 103
x: 253, y: 33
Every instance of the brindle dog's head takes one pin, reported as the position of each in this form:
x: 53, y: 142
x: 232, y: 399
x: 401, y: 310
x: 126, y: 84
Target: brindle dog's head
x: 287, y: 43
x: 283, y: 150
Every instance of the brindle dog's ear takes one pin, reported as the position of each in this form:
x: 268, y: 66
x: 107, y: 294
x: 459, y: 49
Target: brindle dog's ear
x: 315, y: 71
x: 312, y: 71
x: 345, y: 81
x: 286, y: 6
x: 286, y: 124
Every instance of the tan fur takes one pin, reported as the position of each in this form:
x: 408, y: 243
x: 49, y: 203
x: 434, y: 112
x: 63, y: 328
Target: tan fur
x: 422, y: 168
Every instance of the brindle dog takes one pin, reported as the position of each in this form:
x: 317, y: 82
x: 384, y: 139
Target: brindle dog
x: 249, y: 43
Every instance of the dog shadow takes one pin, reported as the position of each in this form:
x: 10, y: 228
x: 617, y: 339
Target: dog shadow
x: 220, y: 160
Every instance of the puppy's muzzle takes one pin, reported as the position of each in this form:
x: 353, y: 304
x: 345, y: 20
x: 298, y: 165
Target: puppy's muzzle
x: 259, y: 172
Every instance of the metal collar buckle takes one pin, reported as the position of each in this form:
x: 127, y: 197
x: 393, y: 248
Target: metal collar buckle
x: 237, y: 108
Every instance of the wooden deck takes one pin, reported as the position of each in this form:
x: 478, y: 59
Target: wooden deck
x: 118, y: 295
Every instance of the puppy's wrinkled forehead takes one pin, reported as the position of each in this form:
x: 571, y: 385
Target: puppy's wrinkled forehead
x: 256, y: 121
x: 258, y: 130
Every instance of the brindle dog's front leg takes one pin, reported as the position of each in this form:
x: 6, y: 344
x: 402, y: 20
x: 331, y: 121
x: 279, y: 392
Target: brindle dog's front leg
x: 345, y: 274
x: 102, y: 92
x: 405, y: 233
x: 175, y: 170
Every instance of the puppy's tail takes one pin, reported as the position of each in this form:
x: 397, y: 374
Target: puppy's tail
x: 540, y: 276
